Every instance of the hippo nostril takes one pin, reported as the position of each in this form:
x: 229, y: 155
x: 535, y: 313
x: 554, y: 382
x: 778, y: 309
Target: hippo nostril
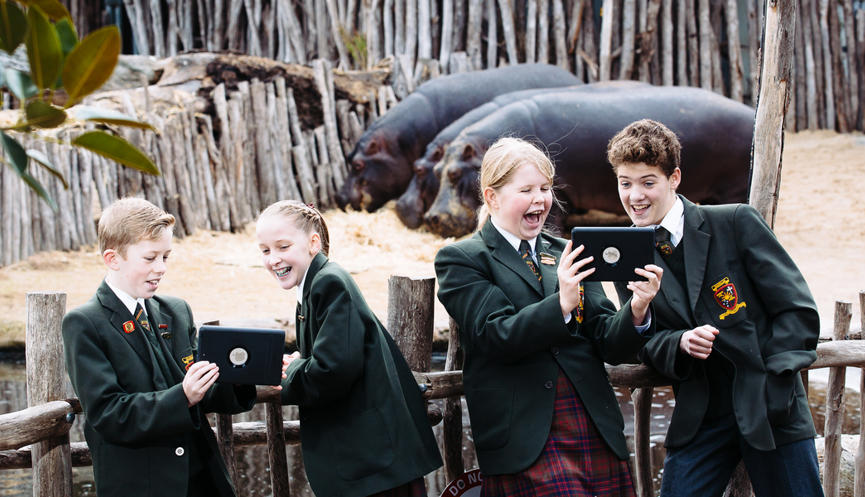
x: 454, y: 176
x: 432, y: 220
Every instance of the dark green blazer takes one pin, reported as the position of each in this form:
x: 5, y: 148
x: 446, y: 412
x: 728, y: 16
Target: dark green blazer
x: 141, y: 436
x: 742, y: 281
x: 515, y: 343
x: 364, y: 427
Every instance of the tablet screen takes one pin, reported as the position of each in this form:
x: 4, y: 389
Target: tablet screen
x: 246, y: 356
x: 616, y: 250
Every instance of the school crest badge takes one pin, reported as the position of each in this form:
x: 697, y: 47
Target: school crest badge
x: 128, y: 327
x: 187, y: 361
x: 727, y: 297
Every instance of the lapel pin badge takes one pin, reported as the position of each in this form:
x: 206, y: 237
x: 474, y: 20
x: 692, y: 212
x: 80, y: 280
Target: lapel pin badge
x: 128, y: 327
x: 166, y: 335
x: 547, y: 259
x: 163, y: 326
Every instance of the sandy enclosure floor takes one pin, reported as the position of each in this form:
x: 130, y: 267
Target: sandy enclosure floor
x: 221, y: 276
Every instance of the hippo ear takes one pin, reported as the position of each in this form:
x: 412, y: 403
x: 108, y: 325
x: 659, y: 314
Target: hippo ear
x: 437, y: 154
x: 372, y: 148
x: 468, y: 152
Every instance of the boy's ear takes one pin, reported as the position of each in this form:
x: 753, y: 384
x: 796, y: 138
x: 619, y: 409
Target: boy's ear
x: 111, y: 258
x: 676, y: 178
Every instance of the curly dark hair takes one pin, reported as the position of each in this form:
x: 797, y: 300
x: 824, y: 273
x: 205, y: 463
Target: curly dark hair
x: 646, y: 141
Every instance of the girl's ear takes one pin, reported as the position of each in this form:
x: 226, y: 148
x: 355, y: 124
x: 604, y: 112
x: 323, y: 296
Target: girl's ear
x: 111, y: 258
x: 314, y: 243
x: 490, y: 199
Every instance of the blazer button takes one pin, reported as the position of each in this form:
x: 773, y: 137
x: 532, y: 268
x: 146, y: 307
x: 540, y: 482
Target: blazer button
x: 179, y: 451
x: 548, y: 385
x: 555, y: 350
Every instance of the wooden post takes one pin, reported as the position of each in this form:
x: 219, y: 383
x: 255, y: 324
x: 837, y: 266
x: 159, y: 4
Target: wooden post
x: 859, y: 475
x: 452, y: 427
x: 642, y: 429
x: 771, y: 107
x: 46, y: 381
x: 835, y: 408
x: 410, y: 318
x: 276, y: 449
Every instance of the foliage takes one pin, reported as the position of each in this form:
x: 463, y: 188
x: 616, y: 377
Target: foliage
x: 355, y: 43
x: 60, y: 65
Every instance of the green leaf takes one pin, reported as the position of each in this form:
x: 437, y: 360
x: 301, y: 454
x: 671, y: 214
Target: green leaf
x: 44, y: 115
x: 45, y: 162
x: 14, y: 152
x: 20, y: 84
x: 43, y: 50
x: 52, y: 8
x: 91, y: 63
x: 66, y: 33
x: 106, y: 116
x: 18, y: 159
x: 116, y: 148
x: 13, y: 26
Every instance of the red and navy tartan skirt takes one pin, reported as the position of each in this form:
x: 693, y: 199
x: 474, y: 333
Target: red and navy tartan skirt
x: 414, y: 488
x: 575, y: 461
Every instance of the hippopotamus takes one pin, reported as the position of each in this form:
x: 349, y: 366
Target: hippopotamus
x: 424, y: 184
x: 380, y: 166
x: 575, y: 127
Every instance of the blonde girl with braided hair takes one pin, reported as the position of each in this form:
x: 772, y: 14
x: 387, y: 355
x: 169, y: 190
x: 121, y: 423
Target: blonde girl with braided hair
x: 364, y: 428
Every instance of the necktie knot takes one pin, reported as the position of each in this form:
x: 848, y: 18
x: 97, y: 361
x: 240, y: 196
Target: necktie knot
x: 526, y: 254
x: 141, y: 317
x: 662, y: 241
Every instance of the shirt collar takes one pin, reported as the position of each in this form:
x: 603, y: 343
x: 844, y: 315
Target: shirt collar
x: 513, y: 239
x: 128, y: 300
x: 300, y: 287
x: 674, y: 221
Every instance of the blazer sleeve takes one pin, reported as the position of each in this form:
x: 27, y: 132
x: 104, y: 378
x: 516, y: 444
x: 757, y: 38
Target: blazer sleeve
x: 794, y: 323
x: 119, y: 415
x: 661, y: 351
x: 612, y: 332
x: 337, y: 356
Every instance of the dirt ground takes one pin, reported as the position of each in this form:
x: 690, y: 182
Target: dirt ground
x: 221, y: 276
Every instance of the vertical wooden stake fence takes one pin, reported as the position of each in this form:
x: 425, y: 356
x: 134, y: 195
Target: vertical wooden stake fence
x: 835, y: 408
x: 46, y: 381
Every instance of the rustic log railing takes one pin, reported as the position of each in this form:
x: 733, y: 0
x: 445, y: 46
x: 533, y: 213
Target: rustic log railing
x: 37, y: 437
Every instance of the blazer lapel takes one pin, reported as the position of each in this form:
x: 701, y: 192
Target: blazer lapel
x: 122, y: 322
x: 502, y: 251
x: 549, y: 278
x: 672, y: 294
x: 696, y: 251
x: 162, y: 325
x: 301, y: 325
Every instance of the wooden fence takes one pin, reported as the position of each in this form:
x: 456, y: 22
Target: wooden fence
x: 707, y: 43
x: 37, y: 437
x: 219, y: 169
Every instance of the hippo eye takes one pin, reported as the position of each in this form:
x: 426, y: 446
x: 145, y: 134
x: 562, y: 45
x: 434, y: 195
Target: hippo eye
x: 437, y: 155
